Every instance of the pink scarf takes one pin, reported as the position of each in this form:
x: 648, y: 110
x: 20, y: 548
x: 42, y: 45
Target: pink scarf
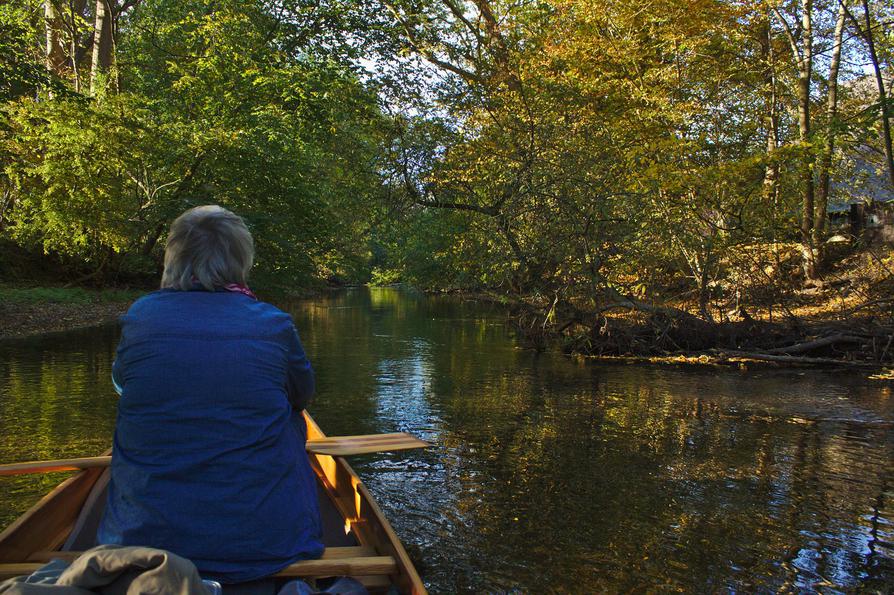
x: 237, y: 288
x: 234, y: 287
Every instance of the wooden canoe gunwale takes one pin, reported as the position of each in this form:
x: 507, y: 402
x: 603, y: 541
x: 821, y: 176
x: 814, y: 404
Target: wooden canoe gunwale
x: 357, y: 506
x: 46, y: 525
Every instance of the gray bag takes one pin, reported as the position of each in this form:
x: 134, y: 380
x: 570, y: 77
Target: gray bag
x: 115, y: 570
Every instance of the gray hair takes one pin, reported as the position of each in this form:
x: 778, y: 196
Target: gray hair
x: 208, y: 246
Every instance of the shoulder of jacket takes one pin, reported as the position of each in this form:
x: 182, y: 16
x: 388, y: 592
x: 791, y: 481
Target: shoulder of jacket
x: 146, y: 300
x: 272, y: 313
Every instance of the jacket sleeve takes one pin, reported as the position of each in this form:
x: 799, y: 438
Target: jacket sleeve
x: 118, y: 366
x: 300, y: 375
x: 117, y: 383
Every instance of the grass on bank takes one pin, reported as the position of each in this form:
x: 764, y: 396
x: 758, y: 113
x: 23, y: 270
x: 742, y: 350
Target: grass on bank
x: 12, y: 294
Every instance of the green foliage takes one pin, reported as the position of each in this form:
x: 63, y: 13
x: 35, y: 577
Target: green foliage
x: 436, y: 250
x: 598, y: 150
x: 22, y: 70
x: 381, y: 278
x: 89, y: 175
x: 210, y: 112
x: 592, y: 150
x: 64, y: 295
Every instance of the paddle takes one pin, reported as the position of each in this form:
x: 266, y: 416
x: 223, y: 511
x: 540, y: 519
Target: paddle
x: 343, y: 446
x: 336, y: 446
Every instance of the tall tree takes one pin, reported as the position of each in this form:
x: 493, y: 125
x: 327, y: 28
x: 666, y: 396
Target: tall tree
x: 76, y: 10
x: 55, y: 56
x: 867, y: 32
x: 801, y: 42
x: 103, y: 44
x: 802, y: 51
x: 766, y: 39
x: 832, y: 127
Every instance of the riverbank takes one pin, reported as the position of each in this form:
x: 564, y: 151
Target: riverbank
x: 26, y: 311
x: 33, y: 310
x: 845, y: 319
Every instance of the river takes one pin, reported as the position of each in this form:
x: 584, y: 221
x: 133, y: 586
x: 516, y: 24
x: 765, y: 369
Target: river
x: 548, y: 474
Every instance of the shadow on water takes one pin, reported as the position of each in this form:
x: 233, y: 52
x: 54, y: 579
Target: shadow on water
x: 548, y: 474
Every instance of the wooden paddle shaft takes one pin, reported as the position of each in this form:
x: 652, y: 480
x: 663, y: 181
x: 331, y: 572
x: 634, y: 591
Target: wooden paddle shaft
x: 56, y: 465
x: 336, y: 446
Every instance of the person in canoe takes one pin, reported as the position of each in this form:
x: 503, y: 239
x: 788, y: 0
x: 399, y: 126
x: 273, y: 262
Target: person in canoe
x: 209, y: 456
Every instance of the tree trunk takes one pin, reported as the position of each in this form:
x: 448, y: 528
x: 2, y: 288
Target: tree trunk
x: 704, y: 291
x: 152, y: 240
x: 882, y: 95
x: 55, y: 58
x: 805, y: 69
x: 7, y: 203
x: 822, y: 199
x: 771, y: 119
x: 102, y: 45
x: 75, y: 10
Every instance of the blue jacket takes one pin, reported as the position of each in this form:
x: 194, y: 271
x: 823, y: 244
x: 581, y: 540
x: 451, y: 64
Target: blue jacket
x: 208, y: 459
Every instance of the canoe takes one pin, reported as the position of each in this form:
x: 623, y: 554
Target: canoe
x: 359, y: 540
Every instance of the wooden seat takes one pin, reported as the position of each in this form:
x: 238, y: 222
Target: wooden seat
x: 336, y: 561
x: 364, y: 566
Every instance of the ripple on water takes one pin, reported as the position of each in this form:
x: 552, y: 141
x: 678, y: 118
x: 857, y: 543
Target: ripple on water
x: 546, y: 474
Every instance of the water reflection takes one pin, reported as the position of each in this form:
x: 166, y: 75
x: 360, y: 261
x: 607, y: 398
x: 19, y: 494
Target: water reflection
x: 55, y: 401
x: 401, y: 393
x: 550, y: 474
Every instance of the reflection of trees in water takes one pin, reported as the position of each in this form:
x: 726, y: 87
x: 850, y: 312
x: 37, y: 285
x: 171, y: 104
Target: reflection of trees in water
x: 625, y: 490
x: 56, y: 400
x: 555, y: 474
x: 360, y: 341
x: 549, y: 474
x: 880, y: 546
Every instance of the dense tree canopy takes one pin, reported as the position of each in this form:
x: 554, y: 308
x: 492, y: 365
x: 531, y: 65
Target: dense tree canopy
x: 596, y: 154
x: 607, y: 150
x: 201, y: 104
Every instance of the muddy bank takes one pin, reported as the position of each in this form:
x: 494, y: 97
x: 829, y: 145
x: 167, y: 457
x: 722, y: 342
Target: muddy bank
x: 33, y: 310
x: 23, y: 319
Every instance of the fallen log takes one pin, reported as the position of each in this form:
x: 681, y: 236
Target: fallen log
x: 734, y: 356
x: 817, y: 343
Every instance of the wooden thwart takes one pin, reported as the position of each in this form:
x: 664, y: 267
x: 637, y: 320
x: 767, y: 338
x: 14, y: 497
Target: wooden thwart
x: 366, y: 566
x: 335, y: 562
x: 336, y: 446
x: 330, y: 553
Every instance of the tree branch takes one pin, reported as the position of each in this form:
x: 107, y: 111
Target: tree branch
x: 428, y: 54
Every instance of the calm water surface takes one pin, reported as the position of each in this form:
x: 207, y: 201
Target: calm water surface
x: 548, y: 474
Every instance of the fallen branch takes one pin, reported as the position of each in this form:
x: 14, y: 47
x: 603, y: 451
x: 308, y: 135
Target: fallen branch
x: 789, y: 359
x: 869, y: 304
x: 824, y: 342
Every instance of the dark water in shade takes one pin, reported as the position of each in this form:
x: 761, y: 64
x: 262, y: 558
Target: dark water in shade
x: 548, y: 474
